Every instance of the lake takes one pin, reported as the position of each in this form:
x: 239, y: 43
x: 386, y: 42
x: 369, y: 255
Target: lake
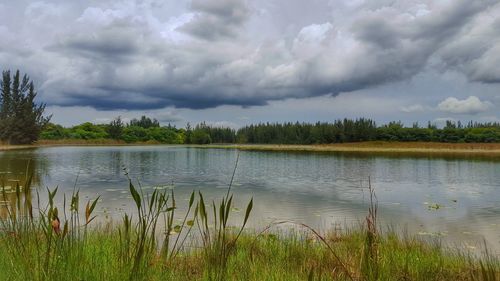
x: 456, y: 200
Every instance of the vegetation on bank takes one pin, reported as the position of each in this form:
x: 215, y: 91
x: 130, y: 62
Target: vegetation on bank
x: 490, y: 150
x: 157, y: 243
x: 340, y: 131
x: 359, y: 130
x: 142, y: 130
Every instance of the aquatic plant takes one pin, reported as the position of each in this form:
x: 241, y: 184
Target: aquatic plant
x: 47, y: 241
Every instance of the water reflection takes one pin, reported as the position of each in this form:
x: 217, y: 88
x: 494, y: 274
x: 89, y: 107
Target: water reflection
x: 318, y: 189
x: 18, y: 172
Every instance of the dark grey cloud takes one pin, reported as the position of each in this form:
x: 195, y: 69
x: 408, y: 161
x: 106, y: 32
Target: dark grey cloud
x: 475, y: 50
x: 103, y: 45
x: 377, y: 30
x: 214, y: 19
x: 114, y: 99
x: 128, y: 55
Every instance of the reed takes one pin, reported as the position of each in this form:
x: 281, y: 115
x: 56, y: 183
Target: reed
x: 40, y: 240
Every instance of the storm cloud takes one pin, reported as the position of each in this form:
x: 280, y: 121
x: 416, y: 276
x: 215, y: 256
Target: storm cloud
x: 202, y: 54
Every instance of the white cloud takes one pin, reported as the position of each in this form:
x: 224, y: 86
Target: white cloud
x: 470, y: 105
x: 96, y: 16
x: 314, y: 32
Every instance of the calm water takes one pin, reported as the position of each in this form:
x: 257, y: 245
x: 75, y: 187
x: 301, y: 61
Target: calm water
x: 322, y: 190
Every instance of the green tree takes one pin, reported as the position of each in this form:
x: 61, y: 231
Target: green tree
x: 21, y: 119
x: 53, y: 132
x: 134, y: 134
x: 188, y: 134
x: 5, y: 108
x: 164, y: 135
x: 88, y: 131
x: 115, y: 128
x: 145, y: 122
x: 200, y: 137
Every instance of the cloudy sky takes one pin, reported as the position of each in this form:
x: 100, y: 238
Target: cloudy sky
x: 234, y: 62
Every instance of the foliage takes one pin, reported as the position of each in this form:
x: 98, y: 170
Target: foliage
x: 204, y: 134
x: 53, y: 132
x: 340, y: 131
x: 115, y: 128
x: 135, y: 134
x: 305, y: 133
x: 365, y: 130
x: 165, y: 135
x: 144, y: 122
x: 21, y: 119
x: 88, y: 131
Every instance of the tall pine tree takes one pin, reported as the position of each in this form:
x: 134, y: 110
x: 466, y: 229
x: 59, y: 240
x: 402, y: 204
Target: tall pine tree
x: 21, y: 119
x: 5, y: 106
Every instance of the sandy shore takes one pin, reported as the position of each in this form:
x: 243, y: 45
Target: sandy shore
x: 415, y: 148
x: 13, y: 147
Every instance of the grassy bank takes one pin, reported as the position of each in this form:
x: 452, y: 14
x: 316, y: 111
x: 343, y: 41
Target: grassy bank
x: 266, y: 257
x: 94, y: 142
x: 38, y: 241
x: 403, y: 148
x: 382, y: 148
x: 76, y: 142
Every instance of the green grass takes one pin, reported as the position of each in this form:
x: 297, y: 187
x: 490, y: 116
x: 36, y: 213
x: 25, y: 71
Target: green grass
x: 41, y: 242
x: 265, y: 257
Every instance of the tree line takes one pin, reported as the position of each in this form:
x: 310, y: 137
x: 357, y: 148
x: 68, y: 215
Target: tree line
x: 146, y: 129
x: 362, y: 129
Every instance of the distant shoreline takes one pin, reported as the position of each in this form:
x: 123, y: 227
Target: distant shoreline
x: 382, y: 148
x: 63, y: 143
x: 377, y: 147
